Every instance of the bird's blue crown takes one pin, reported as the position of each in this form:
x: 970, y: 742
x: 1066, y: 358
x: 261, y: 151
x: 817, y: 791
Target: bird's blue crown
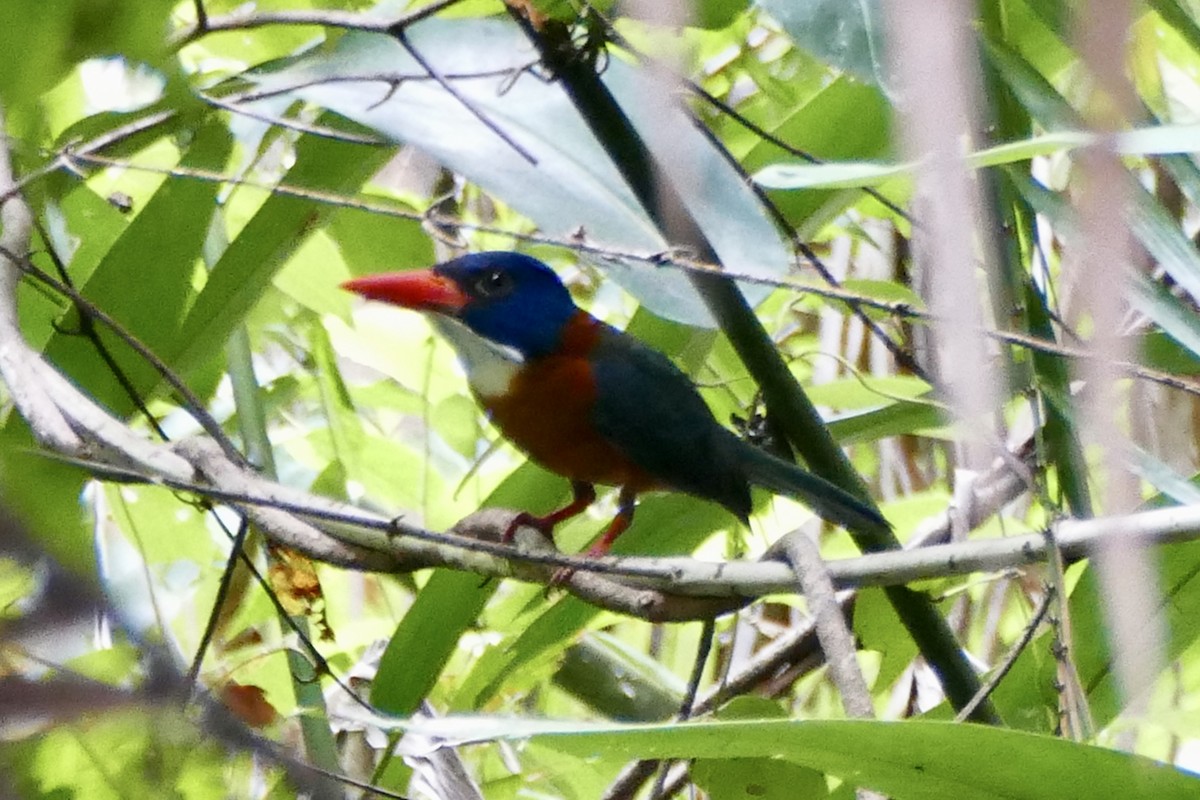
x: 516, y: 300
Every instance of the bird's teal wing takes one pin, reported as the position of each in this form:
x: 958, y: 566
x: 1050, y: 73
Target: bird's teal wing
x: 648, y: 409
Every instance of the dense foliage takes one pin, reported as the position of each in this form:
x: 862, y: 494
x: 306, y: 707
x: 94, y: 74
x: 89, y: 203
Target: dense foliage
x: 201, y: 175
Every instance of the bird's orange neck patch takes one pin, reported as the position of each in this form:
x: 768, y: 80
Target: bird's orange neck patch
x: 547, y: 412
x: 579, y: 335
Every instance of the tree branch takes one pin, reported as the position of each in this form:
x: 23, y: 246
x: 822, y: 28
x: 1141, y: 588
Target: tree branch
x: 618, y: 583
x: 837, y: 642
x: 17, y: 361
x: 69, y: 423
x: 326, y: 18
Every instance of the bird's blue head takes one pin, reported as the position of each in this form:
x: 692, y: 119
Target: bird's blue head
x: 509, y: 298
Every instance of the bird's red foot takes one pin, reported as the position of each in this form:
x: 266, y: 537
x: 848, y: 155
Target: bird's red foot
x: 600, y: 548
x: 583, y: 494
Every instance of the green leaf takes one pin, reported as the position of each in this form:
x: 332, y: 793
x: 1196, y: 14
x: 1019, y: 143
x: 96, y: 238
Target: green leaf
x: 1161, y: 237
x: 445, y: 607
x: 618, y: 681
x: 567, y: 11
x: 570, y: 184
x: 1034, y: 92
x: 80, y: 211
x: 1178, y: 18
x: 911, y: 760
x: 893, y: 419
x: 44, y: 494
x: 1165, y: 240
x: 1162, y: 352
x: 310, y: 274
x: 879, y: 629
x: 713, y: 14
x: 243, y: 271
x: 53, y: 37
x: 1157, y: 140
x: 916, y: 759
x: 146, y: 280
x: 455, y: 421
x: 756, y: 777
x: 1165, y: 479
x: 848, y: 36
x: 845, y: 120
x: 374, y: 242
x: 867, y: 391
x: 765, y: 778
x: 838, y: 175
x: 548, y: 635
x: 344, y: 425
x: 1176, y: 319
x: 663, y: 525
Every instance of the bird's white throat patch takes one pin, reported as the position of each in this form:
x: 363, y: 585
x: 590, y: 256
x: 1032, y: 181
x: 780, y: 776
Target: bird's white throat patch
x: 490, y: 366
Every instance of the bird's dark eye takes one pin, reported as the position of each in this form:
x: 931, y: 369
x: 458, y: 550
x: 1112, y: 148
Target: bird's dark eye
x: 493, y: 283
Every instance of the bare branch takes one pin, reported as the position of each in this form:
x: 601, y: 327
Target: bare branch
x: 462, y: 99
x: 717, y: 587
x: 837, y: 642
x: 281, y: 526
x: 187, y: 398
x: 17, y: 361
x: 327, y: 18
x: 999, y: 673
x: 71, y: 424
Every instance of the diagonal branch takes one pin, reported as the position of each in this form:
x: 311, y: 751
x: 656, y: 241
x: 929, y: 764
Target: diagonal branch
x: 837, y: 642
x: 17, y: 360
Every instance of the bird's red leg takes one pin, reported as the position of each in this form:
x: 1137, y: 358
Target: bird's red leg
x: 583, y: 495
x: 626, y: 503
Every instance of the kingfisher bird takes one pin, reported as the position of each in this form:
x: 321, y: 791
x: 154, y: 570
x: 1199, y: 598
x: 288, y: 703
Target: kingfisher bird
x: 589, y: 402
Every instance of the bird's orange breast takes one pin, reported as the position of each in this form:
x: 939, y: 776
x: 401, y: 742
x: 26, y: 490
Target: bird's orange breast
x: 547, y: 410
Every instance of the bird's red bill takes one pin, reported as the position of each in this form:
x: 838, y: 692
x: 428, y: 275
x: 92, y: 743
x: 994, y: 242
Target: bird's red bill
x: 420, y: 290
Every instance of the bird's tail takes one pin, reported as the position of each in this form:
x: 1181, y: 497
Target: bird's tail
x: 830, y: 502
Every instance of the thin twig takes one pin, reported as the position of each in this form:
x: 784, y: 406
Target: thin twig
x: 189, y: 401
x: 87, y: 329
x: 327, y: 18
x: 11, y: 188
x: 1002, y: 670
x: 672, y: 260
x: 201, y: 15
x: 703, y: 650
x: 239, y: 541
x: 392, y: 79
x: 465, y: 102
x: 289, y: 123
x: 1074, y: 707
